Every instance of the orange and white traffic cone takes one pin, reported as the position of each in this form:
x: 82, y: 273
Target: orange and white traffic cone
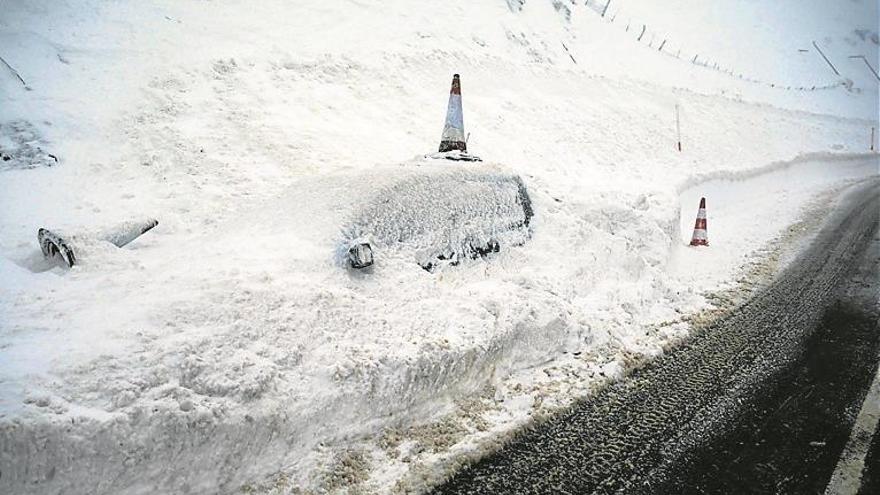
x: 453, y: 130
x: 700, y: 237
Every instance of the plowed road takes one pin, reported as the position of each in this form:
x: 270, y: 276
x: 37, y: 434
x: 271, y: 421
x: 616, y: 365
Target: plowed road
x: 772, y: 399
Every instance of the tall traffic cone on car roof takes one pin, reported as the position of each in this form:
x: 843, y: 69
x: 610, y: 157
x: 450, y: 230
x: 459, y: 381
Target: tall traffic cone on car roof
x: 700, y: 237
x: 453, y: 131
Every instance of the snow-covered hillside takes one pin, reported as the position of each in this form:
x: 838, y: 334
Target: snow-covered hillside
x: 225, y: 349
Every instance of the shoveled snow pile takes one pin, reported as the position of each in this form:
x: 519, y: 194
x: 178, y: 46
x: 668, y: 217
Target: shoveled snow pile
x: 229, y: 349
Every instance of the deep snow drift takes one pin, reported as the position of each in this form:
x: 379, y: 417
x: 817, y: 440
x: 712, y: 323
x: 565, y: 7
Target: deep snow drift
x: 229, y: 348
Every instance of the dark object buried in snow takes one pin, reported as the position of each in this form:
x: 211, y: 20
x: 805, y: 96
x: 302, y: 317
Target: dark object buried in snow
x: 441, y: 216
x: 360, y: 255
x: 64, y: 245
x: 455, y: 155
x: 23, y: 147
x: 52, y: 244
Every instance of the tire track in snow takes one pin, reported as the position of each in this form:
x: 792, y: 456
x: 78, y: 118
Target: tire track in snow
x: 631, y: 434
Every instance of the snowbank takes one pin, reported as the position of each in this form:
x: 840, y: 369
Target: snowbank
x: 228, y: 344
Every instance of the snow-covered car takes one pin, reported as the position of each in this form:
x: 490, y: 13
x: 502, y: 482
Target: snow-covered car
x: 439, y: 214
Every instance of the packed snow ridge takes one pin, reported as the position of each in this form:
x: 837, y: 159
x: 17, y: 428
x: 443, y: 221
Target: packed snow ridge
x: 229, y: 348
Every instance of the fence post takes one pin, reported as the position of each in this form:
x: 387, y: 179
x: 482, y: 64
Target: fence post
x: 872, y: 139
x: 870, y: 67
x: 826, y: 59
x: 14, y: 72
x: 678, y: 127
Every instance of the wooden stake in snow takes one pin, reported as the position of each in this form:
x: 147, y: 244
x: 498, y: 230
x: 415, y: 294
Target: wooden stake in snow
x: 870, y: 67
x: 13, y: 71
x: 826, y: 59
x: 678, y: 126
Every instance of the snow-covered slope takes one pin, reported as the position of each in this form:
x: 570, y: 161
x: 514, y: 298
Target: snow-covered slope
x: 225, y: 346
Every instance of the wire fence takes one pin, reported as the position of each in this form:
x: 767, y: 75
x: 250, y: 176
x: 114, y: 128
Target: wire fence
x: 663, y: 44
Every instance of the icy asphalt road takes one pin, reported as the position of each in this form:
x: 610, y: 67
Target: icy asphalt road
x: 734, y: 409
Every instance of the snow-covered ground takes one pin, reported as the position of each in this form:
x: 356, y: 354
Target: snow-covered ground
x: 227, y: 348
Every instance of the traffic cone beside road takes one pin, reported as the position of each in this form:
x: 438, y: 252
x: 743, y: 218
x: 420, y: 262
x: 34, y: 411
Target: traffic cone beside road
x: 700, y: 237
